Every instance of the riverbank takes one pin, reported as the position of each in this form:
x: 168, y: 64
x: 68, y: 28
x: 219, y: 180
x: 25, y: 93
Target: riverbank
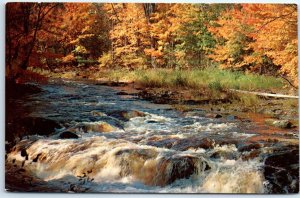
x: 207, y: 89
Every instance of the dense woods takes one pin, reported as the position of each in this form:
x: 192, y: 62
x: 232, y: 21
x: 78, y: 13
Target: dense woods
x: 259, y: 38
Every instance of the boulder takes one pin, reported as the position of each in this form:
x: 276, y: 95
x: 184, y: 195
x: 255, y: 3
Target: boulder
x: 21, y: 127
x: 126, y: 115
x: 173, y: 168
x: 96, y: 127
x: 282, y: 170
x: 38, y: 125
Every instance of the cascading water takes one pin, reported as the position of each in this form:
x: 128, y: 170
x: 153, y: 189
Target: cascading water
x: 107, y: 143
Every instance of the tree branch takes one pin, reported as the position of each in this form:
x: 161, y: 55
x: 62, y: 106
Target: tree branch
x: 274, y: 19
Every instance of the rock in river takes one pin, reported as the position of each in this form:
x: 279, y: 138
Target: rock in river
x: 126, y: 115
x: 282, y: 171
x: 68, y: 135
x: 194, y: 143
x: 285, y: 124
x: 99, y: 126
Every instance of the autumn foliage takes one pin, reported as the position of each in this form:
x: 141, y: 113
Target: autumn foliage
x: 260, y: 38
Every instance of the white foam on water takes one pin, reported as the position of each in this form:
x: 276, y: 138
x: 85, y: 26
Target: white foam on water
x: 110, y: 162
x: 235, y: 177
x: 106, y: 161
x: 211, y: 126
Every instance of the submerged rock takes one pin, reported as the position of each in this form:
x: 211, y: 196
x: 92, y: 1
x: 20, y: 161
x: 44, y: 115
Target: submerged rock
x: 285, y: 124
x: 68, y: 135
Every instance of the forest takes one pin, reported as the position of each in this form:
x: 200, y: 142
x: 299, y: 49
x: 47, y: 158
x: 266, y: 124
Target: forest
x: 249, y: 38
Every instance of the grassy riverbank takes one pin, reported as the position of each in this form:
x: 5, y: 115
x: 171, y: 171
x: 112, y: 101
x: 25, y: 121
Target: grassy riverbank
x: 195, y: 78
x: 212, y: 78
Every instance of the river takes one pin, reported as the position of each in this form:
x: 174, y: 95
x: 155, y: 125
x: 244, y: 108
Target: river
x: 120, y: 143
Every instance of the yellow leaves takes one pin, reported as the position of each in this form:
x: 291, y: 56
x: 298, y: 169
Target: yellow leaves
x: 68, y: 58
x: 271, y: 31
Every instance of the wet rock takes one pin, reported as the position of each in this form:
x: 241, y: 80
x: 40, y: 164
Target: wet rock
x: 126, y: 115
x: 213, y: 115
x: 224, y: 155
x: 113, y: 121
x: 285, y: 124
x: 282, y: 171
x: 32, y: 125
x: 194, y: 143
x: 180, y: 167
x: 132, y: 161
x: 250, y: 155
x: 158, y: 96
x: 68, y: 135
x: 19, y: 128
x: 96, y: 127
x: 227, y: 141
x: 249, y: 147
x: 165, y: 143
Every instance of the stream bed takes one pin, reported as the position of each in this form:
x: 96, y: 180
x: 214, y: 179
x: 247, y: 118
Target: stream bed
x: 78, y: 136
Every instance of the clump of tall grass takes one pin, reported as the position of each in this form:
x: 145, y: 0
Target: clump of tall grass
x: 212, y: 78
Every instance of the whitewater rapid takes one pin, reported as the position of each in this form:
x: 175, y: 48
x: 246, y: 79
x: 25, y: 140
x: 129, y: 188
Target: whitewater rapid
x: 158, y: 150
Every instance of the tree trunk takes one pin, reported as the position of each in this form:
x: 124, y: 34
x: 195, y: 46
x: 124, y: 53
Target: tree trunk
x: 149, y: 8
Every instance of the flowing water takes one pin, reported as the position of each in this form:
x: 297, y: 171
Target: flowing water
x: 125, y: 144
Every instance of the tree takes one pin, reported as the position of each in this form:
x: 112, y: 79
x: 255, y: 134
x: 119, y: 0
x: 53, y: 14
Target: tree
x: 258, y: 37
x: 275, y: 35
x: 196, y: 41
x: 23, y: 23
